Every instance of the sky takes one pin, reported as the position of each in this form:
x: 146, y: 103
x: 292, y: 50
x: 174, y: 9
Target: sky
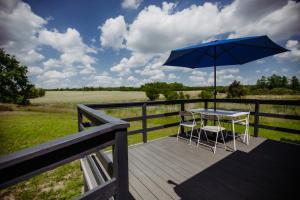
x: 76, y: 43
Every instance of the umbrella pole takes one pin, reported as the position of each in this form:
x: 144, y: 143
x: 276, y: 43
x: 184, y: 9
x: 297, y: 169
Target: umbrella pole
x: 215, y: 77
x: 215, y: 85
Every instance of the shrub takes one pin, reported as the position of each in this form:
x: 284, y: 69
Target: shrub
x: 171, y: 95
x: 205, y: 94
x: 280, y: 91
x: 36, y: 92
x: 235, y: 89
x: 152, y: 93
x: 187, y: 96
x: 181, y: 95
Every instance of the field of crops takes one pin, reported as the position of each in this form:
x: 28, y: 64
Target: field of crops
x: 54, y: 116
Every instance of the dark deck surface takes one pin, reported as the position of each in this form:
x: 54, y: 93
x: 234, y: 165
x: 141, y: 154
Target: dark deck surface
x: 167, y: 169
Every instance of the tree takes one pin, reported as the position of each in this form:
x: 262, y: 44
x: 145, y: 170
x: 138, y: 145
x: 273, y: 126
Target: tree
x: 170, y: 95
x: 14, y: 84
x: 205, y: 94
x: 152, y: 93
x: 295, y: 83
x: 262, y: 83
x: 235, y: 89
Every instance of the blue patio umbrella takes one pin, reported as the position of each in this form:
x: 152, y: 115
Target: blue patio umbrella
x: 224, y: 52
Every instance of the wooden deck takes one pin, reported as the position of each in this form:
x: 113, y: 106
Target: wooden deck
x: 167, y: 169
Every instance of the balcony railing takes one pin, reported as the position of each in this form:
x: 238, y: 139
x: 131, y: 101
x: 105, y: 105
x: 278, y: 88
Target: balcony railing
x: 98, y: 130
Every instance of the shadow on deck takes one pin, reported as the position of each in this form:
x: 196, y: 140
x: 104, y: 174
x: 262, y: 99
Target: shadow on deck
x: 167, y: 169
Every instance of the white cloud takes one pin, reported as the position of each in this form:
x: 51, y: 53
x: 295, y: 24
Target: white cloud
x: 19, y: 29
x: 224, y: 77
x: 23, y: 33
x: 172, y: 76
x: 158, y: 29
x: 113, y: 32
x: 131, y: 4
x: 35, y: 70
x: 106, y: 80
x: 126, y: 64
x: 53, y: 74
x: 293, y: 54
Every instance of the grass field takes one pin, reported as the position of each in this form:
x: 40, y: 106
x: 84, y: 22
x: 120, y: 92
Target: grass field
x: 54, y: 116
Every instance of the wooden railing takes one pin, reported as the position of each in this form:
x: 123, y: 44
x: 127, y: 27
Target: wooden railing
x: 98, y: 130
x: 107, y: 131
x: 256, y: 112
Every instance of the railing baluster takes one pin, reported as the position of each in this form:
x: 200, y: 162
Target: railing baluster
x: 256, y: 118
x: 79, y: 119
x: 144, y: 122
x: 120, y: 164
x: 182, y: 118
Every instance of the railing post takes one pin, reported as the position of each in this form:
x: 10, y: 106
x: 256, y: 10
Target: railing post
x: 144, y: 122
x: 79, y: 119
x: 256, y: 118
x: 182, y: 118
x: 205, y: 107
x: 120, y: 164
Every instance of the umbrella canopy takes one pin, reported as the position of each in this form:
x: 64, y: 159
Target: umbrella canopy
x: 224, y: 52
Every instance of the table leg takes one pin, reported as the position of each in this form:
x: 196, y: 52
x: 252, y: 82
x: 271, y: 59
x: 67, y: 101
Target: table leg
x: 233, y: 135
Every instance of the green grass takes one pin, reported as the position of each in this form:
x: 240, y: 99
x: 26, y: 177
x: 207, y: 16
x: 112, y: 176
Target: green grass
x: 25, y: 126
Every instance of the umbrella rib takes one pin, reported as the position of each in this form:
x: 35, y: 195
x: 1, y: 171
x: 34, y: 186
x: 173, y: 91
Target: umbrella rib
x: 224, y: 51
x: 249, y: 45
x: 234, y: 58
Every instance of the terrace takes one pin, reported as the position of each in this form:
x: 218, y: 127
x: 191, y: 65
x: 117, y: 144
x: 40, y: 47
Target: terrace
x: 164, y: 168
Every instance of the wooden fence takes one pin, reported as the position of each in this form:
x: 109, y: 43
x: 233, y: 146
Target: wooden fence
x: 256, y: 113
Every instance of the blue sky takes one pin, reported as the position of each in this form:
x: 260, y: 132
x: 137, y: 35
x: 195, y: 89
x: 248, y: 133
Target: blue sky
x: 67, y: 43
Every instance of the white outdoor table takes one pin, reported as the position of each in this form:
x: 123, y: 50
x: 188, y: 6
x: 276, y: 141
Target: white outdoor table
x: 225, y: 113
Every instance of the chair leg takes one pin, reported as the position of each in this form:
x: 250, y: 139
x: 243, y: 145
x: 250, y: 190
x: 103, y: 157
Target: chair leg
x: 178, y: 133
x: 206, y: 136
x: 223, y: 140
x: 191, y: 135
x: 216, y: 142
x: 199, y: 136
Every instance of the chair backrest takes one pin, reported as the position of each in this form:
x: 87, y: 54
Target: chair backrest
x: 189, y: 116
x: 211, y: 117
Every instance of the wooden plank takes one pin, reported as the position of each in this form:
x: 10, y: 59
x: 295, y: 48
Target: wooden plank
x: 188, y: 159
x: 26, y: 163
x: 134, y: 193
x: 162, y: 172
x: 155, y: 177
x: 175, y: 158
x: 103, y: 191
x: 140, y: 188
x: 148, y: 182
x: 161, y: 165
x: 275, y: 128
x: 180, y: 169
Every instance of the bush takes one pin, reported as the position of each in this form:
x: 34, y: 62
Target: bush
x: 235, y: 89
x: 205, y: 94
x: 281, y: 91
x: 152, y: 93
x: 36, y: 92
x: 171, y: 95
x: 181, y: 95
x: 187, y: 96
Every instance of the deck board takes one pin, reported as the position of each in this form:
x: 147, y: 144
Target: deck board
x: 167, y: 169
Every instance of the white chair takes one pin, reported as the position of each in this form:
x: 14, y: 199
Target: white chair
x: 188, y: 122
x: 216, y: 129
x: 245, y: 122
